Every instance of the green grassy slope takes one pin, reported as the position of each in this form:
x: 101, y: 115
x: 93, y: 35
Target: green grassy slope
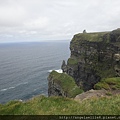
x: 63, y: 106
x: 108, y: 84
x: 66, y: 82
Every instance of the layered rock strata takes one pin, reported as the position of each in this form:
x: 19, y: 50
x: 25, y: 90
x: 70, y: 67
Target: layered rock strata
x: 93, y: 56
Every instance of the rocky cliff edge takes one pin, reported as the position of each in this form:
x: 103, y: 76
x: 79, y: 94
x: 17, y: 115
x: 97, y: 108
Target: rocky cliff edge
x: 94, y: 57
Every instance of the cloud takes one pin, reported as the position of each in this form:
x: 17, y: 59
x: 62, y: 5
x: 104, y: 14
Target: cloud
x: 38, y: 23
x: 11, y: 15
x: 55, y: 19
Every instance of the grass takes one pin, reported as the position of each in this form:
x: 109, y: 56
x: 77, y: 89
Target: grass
x: 66, y: 82
x: 108, y: 84
x: 102, y: 85
x: 72, y: 61
x: 109, y: 93
x: 41, y: 105
x: 94, y: 37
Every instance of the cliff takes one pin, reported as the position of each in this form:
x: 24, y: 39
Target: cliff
x: 61, y: 84
x: 93, y: 56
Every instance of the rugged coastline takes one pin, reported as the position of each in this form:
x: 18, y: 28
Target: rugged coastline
x: 94, y: 62
x: 89, y: 84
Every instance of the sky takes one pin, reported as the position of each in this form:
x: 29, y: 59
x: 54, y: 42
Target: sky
x: 41, y: 20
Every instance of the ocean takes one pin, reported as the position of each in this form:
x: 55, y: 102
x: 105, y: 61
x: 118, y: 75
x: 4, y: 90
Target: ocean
x: 24, y: 68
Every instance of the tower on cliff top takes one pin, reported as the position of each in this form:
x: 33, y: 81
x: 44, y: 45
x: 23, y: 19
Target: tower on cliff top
x: 84, y: 31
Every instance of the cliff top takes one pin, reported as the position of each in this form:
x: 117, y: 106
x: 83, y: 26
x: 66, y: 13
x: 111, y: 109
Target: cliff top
x: 97, y: 36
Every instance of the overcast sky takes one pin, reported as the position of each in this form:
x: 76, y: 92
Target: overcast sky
x: 36, y: 20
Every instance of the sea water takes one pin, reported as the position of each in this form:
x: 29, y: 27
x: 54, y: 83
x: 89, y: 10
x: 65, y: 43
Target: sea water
x: 24, y: 68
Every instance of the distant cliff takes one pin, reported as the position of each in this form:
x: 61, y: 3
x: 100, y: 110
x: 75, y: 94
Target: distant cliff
x: 94, y: 57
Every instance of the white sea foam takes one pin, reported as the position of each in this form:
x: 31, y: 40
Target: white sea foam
x: 59, y: 71
x: 3, y: 89
x: 11, y: 87
x: 22, y: 84
x: 7, y: 88
x: 20, y: 100
x: 50, y: 71
x: 25, y: 83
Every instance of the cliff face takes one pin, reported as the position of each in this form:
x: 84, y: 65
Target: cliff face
x: 93, y: 56
x: 61, y: 84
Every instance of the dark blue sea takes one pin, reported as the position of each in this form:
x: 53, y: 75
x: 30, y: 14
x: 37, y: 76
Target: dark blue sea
x: 24, y: 68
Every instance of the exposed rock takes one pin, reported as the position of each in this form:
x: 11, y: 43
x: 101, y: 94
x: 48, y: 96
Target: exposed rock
x: 91, y: 93
x: 117, y: 57
x: 94, y: 56
x: 64, y: 66
x: 55, y: 89
x: 61, y: 84
x: 96, y: 93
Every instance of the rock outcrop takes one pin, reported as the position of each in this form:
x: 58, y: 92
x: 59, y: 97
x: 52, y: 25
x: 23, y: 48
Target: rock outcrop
x: 96, y: 94
x: 61, y: 84
x: 90, y: 94
x: 93, y: 56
